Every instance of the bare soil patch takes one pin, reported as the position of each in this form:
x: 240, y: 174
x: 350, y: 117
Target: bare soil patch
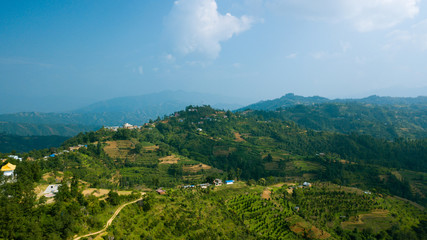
x: 266, y: 194
x: 49, y: 175
x: 151, y: 148
x: 196, y: 168
x: 100, y: 192
x: 238, y: 137
x: 172, y: 159
x: 312, y: 232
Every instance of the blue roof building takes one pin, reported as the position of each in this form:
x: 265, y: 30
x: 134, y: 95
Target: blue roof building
x: 229, y: 181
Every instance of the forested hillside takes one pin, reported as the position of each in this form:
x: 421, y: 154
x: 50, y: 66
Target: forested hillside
x: 9, y: 143
x: 252, y: 145
x: 35, y: 129
x: 388, y: 122
x: 291, y: 99
x: 353, y: 184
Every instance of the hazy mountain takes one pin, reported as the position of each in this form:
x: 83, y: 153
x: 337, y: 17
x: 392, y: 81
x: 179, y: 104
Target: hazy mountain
x: 135, y: 110
x: 158, y: 104
x: 290, y: 99
x: 286, y: 101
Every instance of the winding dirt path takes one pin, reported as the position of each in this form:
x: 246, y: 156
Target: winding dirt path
x: 110, y: 220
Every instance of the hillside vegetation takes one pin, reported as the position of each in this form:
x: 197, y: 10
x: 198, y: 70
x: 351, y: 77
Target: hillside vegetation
x: 360, y: 185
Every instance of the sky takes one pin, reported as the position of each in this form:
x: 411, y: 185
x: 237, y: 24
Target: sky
x: 61, y: 55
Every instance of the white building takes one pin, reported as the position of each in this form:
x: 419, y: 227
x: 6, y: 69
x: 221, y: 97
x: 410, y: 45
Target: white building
x: 15, y: 157
x: 52, y: 189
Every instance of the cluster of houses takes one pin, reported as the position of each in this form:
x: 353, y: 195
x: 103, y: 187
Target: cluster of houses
x: 216, y: 182
x: 15, y: 157
x: 70, y: 149
x: 303, y: 185
x: 125, y: 126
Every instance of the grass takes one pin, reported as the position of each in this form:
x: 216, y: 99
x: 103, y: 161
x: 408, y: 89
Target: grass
x: 307, y: 166
x: 119, y: 148
x: 377, y: 220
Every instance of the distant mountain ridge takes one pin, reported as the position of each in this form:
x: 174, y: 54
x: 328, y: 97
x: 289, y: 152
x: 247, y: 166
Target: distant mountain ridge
x: 161, y: 103
x: 9, y: 143
x: 135, y: 110
x: 291, y: 99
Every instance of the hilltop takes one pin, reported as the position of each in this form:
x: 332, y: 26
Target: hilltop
x: 382, y: 117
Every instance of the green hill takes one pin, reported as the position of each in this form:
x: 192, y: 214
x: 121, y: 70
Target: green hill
x: 382, y: 117
x: 361, y: 187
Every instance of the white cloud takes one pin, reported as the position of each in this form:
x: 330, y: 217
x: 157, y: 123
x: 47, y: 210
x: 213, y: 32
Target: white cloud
x: 21, y: 61
x: 292, y: 55
x: 237, y: 65
x: 364, y: 15
x: 320, y: 55
x: 196, y: 26
x: 140, y: 70
x: 415, y: 36
x: 169, y: 58
x: 345, y: 46
x: 368, y: 15
x: 326, y: 55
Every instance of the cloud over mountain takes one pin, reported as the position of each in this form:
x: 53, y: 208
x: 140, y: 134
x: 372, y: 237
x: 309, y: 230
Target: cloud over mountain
x: 196, y: 26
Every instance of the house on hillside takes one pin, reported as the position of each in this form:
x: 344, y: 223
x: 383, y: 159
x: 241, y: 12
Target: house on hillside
x: 15, y: 157
x: 74, y: 148
x: 204, y: 185
x: 218, y: 182
x: 51, y: 190
x: 127, y: 126
x: 112, y: 128
x: 161, y: 191
x: 306, y: 184
x: 228, y: 182
x: 8, y: 169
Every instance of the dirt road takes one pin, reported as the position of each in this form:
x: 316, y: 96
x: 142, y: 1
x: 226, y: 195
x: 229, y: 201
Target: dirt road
x: 109, y: 220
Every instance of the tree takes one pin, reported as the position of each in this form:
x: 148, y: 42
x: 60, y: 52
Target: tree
x: 138, y: 147
x: 113, y: 198
x: 147, y: 202
x: 262, y: 181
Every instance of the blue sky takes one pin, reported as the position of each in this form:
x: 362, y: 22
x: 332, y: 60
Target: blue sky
x: 60, y: 55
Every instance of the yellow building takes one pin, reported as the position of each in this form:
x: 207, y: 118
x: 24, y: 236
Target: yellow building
x: 8, y: 169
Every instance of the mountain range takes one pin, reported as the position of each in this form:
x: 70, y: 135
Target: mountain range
x: 135, y: 110
x: 290, y: 100
x: 384, y: 117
